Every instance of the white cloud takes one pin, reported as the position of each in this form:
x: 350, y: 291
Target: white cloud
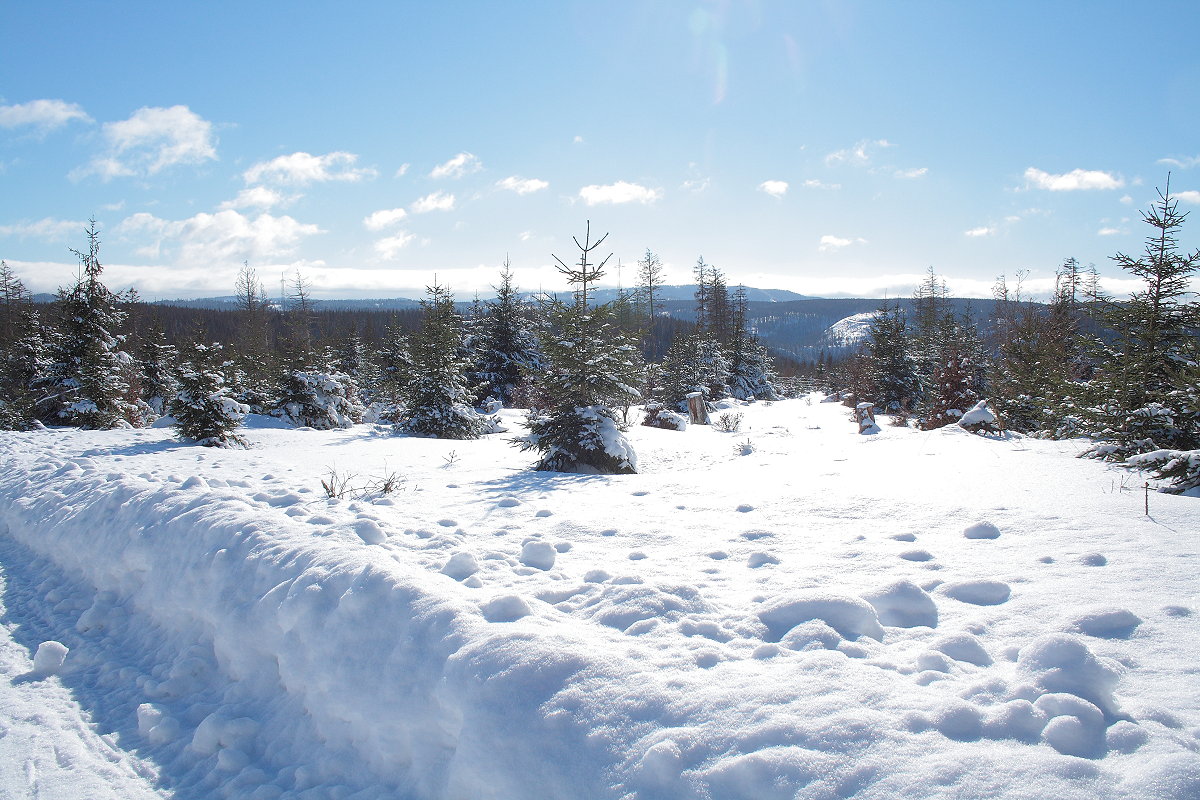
x: 619, y: 192
x: 522, y: 185
x: 47, y: 228
x: 859, y: 155
x: 813, y: 183
x: 1127, y: 200
x: 916, y: 172
x: 831, y: 244
x: 774, y: 188
x: 1075, y: 180
x: 1109, y: 231
x: 378, y: 220
x: 151, y: 140
x: 696, y: 186
x: 224, y: 237
x: 43, y: 114
x: 577, y: 140
x: 983, y: 230
x: 1186, y: 162
x: 389, y: 247
x: 1190, y: 196
x: 525, y: 236
x: 462, y: 164
x: 301, y: 169
x: 436, y: 201
x: 403, y: 170
x: 257, y: 197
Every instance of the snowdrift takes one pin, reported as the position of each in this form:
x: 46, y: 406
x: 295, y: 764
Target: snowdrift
x: 251, y: 638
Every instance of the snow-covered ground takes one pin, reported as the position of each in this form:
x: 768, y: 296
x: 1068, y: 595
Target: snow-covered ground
x: 790, y: 611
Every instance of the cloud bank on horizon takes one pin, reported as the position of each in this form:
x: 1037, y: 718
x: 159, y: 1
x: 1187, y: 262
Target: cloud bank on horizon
x: 407, y: 150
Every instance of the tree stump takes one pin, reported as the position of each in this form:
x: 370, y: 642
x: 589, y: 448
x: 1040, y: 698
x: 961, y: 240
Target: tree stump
x: 865, y: 414
x: 697, y: 409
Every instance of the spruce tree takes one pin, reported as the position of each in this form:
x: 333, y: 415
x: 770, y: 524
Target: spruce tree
x: 1142, y: 383
x: 895, y: 386
x: 85, y: 384
x: 204, y: 408
x: 591, y: 366
x: 437, y: 397
x: 507, y: 349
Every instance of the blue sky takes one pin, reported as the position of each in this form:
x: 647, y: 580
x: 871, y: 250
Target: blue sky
x: 831, y: 148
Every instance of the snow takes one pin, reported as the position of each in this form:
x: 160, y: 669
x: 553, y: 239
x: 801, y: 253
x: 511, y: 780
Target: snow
x: 813, y: 619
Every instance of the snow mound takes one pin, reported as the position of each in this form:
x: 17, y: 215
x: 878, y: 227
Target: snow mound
x: 538, y: 554
x: 1108, y: 623
x: 460, y: 566
x: 903, y: 604
x: 851, y: 617
x: 981, y: 530
x: 49, y: 658
x: 978, y: 592
x: 963, y: 647
x: 1059, y: 662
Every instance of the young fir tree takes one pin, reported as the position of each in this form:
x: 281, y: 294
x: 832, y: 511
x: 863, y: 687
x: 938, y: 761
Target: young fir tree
x: 507, y: 349
x: 954, y: 383
x: 204, y: 408
x: 681, y: 373
x: 395, y: 365
x: 437, y: 398
x: 1038, y: 362
x: 649, y: 288
x: 591, y: 366
x: 1142, y: 384
x: 895, y: 385
x: 85, y: 385
x: 752, y: 373
x: 157, y: 361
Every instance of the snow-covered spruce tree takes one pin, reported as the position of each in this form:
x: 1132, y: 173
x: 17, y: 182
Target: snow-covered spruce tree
x: 256, y: 377
x: 506, y: 348
x: 320, y: 399
x: 752, y: 374
x: 84, y: 384
x: 21, y: 362
x: 681, y: 373
x: 157, y: 362
x: 591, y: 366
x: 437, y: 398
x: 893, y: 371
x: 204, y: 409
x: 1141, y: 385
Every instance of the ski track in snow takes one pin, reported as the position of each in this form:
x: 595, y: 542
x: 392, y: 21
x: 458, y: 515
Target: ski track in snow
x: 830, y: 615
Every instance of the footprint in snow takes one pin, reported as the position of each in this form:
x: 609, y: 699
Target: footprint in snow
x: 1047, y: 559
x: 447, y: 523
x: 905, y: 537
x: 1094, y: 560
x: 745, y: 507
x: 609, y: 532
x: 755, y: 535
x: 640, y: 494
x: 718, y: 555
x: 636, y: 555
x: 917, y: 555
x: 508, y: 502
x: 545, y: 512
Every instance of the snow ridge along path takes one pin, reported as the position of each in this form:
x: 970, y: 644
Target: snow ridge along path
x: 818, y: 615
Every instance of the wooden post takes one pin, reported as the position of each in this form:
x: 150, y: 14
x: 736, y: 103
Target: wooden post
x: 865, y: 414
x: 697, y: 410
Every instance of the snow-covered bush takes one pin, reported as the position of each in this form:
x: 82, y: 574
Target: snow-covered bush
x: 205, y: 412
x: 321, y: 400
x: 979, y: 418
x: 1181, y: 467
x: 659, y: 416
